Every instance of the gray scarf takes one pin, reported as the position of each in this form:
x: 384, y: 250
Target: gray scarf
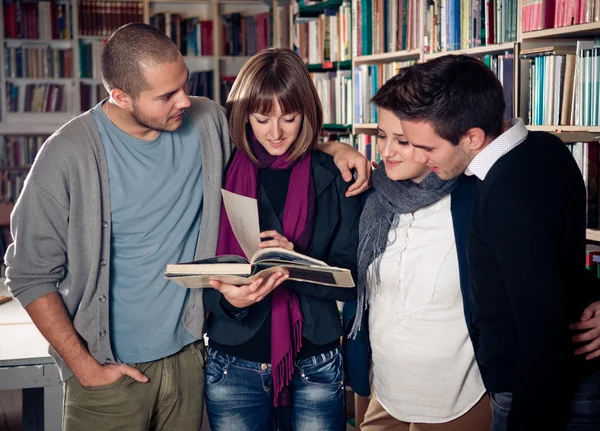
x: 388, y: 199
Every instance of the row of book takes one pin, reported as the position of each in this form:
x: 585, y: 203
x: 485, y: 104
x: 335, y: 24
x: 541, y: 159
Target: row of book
x: 587, y: 157
x: 335, y: 93
x: 380, y: 26
x: 201, y: 84
x: 90, y: 52
x: 326, y: 37
x: 463, y: 24
x: 563, y: 84
x: 20, y: 151
x: 191, y: 35
x: 37, y: 19
x: 11, y: 184
x: 367, y: 80
x: 41, y: 97
x: 246, y: 35
x: 38, y: 62
x: 503, y: 66
x: 540, y: 14
x: 102, y: 18
x: 90, y: 95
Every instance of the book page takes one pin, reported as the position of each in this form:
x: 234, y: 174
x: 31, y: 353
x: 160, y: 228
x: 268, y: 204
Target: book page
x: 243, y: 217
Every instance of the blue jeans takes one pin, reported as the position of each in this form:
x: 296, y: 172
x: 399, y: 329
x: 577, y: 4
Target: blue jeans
x: 583, y: 413
x: 239, y: 394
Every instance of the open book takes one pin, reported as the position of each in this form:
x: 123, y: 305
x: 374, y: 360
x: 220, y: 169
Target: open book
x: 243, y: 216
x: 237, y: 270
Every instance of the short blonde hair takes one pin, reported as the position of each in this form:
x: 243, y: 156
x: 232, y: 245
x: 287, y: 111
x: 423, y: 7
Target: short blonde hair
x: 274, y: 73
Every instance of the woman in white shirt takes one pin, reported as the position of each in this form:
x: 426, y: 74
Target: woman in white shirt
x: 425, y: 376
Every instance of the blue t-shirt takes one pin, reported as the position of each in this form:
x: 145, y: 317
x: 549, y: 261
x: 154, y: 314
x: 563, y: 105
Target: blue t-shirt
x: 156, y: 206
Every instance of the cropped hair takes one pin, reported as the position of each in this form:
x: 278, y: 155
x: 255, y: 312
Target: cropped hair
x: 131, y: 48
x: 453, y: 93
x: 274, y: 74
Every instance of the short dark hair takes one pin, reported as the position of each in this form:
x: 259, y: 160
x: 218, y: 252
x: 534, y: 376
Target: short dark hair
x: 454, y: 93
x: 131, y: 47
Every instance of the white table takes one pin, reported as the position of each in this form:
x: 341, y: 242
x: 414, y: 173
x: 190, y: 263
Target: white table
x: 25, y: 364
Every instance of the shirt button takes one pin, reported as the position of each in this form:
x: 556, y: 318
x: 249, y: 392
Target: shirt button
x: 102, y: 262
x: 102, y: 333
x: 102, y: 298
x: 107, y: 361
x: 263, y: 366
x: 104, y: 224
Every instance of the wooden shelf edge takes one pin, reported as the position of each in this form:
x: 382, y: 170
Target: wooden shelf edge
x: 479, y: 50
x: 592, y: 234
x: 31, y: 128
x: 388, y: 57
x: 561, y: 129
x: 570, y: 134
x: 365, y: 127
x: 570, y: 30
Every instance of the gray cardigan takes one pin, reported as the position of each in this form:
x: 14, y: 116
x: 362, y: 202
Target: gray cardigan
x: 61, y: 225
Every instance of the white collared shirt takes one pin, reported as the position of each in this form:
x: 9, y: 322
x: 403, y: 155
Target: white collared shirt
x: 483, y: 162
x: 424, y: 367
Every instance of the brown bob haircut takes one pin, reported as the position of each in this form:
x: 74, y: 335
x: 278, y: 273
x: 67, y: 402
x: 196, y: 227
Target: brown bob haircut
x: 274, y: 74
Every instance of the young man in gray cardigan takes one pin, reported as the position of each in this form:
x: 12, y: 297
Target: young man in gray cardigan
x: 115, y: 195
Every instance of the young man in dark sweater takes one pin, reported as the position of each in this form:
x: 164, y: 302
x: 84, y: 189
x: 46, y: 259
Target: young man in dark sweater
x: 525, y: 244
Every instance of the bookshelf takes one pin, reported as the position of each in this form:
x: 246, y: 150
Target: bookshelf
x: 494, y: 31
x: 65, y: 53
x: 87, y: 24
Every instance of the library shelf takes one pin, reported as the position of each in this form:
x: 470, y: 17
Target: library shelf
x: 41, y: 80
x: 570, y: 133
x: 477, y: 51
x: 91, y: 81
x: 13, y: 42
x: 593, y: 234
x: 364, y: 128
x: 569, y: 31
x: 387, y: 57
x: 330, y: 65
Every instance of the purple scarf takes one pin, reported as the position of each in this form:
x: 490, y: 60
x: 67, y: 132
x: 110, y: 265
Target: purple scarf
x: 286, y: 317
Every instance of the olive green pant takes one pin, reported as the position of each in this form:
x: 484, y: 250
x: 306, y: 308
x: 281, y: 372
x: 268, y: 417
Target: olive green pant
x: 172, y: 399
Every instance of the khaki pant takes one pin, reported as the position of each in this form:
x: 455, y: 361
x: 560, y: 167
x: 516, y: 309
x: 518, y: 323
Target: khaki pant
x: 172, y: 399
x: 479, y: 418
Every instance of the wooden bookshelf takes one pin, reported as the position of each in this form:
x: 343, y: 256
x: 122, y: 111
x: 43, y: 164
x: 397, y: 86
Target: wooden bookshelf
x: 221, y: 65
x: 477, y: 51
x: 388, y: 57
x: 571, y: 133
x: 570, y: 31
x: 593, y: 234
x: 329, y: 66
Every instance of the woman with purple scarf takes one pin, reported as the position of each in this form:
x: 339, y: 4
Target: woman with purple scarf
x: 274, y: 359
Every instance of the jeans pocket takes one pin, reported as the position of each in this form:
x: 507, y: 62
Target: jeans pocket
x: 327, y: 373
x: 501, y: 401
x: 216, y: 370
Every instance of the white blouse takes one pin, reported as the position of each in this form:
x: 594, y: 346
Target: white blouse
x: 423, y: 361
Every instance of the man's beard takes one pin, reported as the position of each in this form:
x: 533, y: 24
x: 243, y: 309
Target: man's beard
x: 142, y: 121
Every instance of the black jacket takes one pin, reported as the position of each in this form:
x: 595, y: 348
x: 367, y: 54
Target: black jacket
x: 526, y: 250
x: 334, y: 240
